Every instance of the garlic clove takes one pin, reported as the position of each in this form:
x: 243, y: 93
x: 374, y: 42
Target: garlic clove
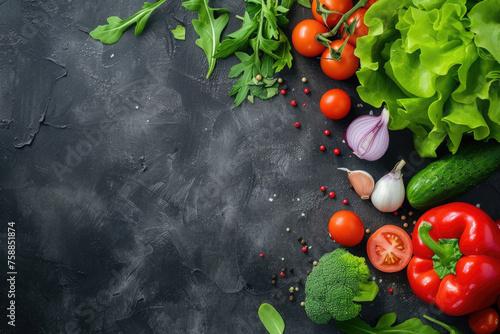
x: 362, y: 182
x: 389, y: 192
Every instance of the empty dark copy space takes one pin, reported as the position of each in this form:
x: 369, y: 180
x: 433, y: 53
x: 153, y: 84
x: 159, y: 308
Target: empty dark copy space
x: 143, y: 198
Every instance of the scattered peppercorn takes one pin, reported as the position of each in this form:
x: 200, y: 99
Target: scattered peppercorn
x: 311, y: 260
x: 303, y: 241
x: 283, y: 269
x: 403, y: 217
x: 298, y: 281
x: 291, y: 298
x: 282, y: 274
x: 336, y: 151
x: 315, y: 263
x: 258, y: 77
x: 410, y: 213
x: 322, y: 147
x: 391, y: 290
x: 280, y: 80
x: 290, y: 270
x: 297, y: 124
x: 306, y: 90
x: 405, y: 225
x: 323, y: 188
x: 345, y: 202
x: 332, y: 194
x: 299, y: 238
x: 308, y: 272
x: 302, y: 304
x: 273, y: 282
x: 304, y: 249
x: 274, y: 276
x: 283, y: 92
x: 261, y: 255
x: 395, y: 213
x: 293, y: 103
x: 304, y: 79
x: 368, y: 230
x: 326, y: 132
x: 291, y: 290
x: 304, y: 105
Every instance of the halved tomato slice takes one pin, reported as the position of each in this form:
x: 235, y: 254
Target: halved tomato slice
x: 389, y: 249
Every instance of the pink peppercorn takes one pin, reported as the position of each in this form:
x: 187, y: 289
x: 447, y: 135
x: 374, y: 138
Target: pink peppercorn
x: 336, y: 151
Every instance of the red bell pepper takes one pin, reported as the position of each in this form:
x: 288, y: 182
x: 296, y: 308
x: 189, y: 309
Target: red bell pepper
x: 456, y: 263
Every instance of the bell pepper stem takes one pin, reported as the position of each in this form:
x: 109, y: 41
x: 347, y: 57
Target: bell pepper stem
x: 447, y: 251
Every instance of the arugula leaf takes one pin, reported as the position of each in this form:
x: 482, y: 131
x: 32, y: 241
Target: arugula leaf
x: 450, y: 329
x: 305, y: 3
x: 384, y: 325
x: 271, y: 319
x: 111, y: 32
x: 179, y: 32
x: 268, y: 49
x: 208, y: 28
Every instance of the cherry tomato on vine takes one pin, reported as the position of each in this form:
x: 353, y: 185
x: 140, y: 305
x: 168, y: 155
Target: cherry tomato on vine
x: 484, y: 321
x: 304, y: 38
x: 361, y: 29
x: 346, y: 228
x: 341, y: 6
x: 343, y: 68
x: 370, y: 3
x: 335, y: 104
x: 389, y: 248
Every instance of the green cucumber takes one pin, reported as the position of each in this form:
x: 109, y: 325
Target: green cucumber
x: 445, y: 179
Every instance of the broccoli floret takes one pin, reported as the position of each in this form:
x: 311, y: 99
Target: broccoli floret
x: 336, y: 285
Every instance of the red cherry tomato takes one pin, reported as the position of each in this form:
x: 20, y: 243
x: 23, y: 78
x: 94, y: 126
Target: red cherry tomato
x: 335, y: 104
x: 389, y: 249
x: 343, y: 68
x: 346, y: 228
x: 304, y: 38
x: 361, y: 29
x: 341, y: 6
x: 370, y: 3
x: 484, y: 321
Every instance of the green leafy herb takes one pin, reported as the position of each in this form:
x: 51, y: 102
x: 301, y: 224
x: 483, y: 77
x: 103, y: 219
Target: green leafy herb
x: 450, y: 329
x: 435, y: 65
x: 261, y: 32
x: 384, y: 326
x: 305, y: 3
x: 179, y: 32
x: 111, y: 32
x: 208, y: 28
x: 271, y: 319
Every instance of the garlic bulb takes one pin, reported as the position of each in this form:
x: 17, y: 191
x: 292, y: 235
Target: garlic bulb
x: 389, y: 192
x: 362, y: 182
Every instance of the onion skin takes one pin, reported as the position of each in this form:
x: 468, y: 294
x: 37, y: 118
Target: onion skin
x: 368, y: 136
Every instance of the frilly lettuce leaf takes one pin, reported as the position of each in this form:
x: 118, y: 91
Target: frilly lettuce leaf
x: 435, y: 65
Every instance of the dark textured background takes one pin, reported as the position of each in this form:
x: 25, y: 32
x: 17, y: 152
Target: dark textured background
x: 142, y: 197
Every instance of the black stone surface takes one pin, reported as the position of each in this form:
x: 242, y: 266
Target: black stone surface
x: 142, y: 197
